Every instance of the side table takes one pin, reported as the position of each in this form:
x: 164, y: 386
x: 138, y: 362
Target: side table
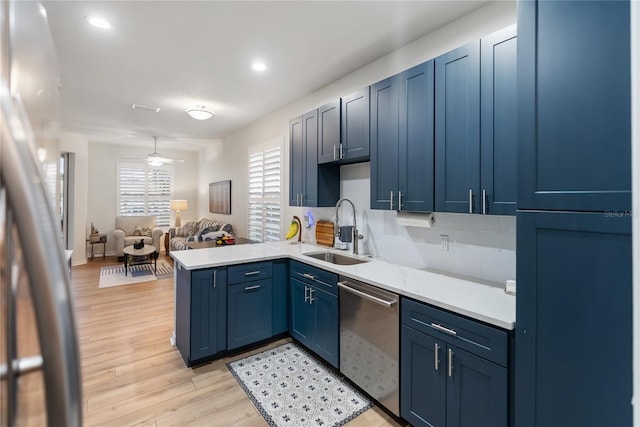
x: 166, y: 243
x: 97, y: 239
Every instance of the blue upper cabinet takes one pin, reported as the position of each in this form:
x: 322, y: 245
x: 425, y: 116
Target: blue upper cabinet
x: 309, y: 196
x: 457, y: 179
x: 499, y: 122
x: 310, y: 184
x: 384, y: 143
x: 402, y: 140
x: 296, y: 160
x: 416, y: 139
x: 355, y: 127
x: 574, y: 116
x: 329, y: 132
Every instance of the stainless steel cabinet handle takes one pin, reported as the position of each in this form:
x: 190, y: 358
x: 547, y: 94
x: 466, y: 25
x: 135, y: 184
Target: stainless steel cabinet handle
x: 436, y: 356
x: 309, y: 276
x: 251, y: 288
x: 484, y: 201
x: 341, y: 151
x: 443, y: 329
x: 252, y: 273
x: 399, y: 200
x: 334, y: 152
x: 301, y: 199
x: 470, y: 200
x: 311, y: 298
x: 391, y: 200
x: 450, y: 357
x: 372, y: 298
x: 215, y: 271
x: 306, y: 294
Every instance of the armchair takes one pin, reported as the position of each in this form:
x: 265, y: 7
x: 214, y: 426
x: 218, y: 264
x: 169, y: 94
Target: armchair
x: 130, y: 229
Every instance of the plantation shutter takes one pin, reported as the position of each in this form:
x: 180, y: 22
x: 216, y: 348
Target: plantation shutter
x: 145, y: 190
x: 265, y: 193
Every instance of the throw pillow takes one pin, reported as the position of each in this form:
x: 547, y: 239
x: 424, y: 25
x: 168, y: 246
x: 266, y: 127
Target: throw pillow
x: 189, y: 229
x: 204, y: 231
x: 143, y: 231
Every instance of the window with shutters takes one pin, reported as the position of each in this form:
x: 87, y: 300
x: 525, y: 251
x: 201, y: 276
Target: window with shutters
x: 265, y: 192
x: 145, y: 190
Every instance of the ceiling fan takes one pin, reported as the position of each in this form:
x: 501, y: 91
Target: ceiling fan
x: 155, y: 159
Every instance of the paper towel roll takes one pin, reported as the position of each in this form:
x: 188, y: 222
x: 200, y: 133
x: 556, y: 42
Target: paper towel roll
x: 413, y: 219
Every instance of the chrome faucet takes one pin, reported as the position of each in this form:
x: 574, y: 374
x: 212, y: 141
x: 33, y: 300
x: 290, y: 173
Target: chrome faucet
x: 355, y: 236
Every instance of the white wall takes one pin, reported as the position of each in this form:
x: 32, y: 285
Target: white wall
x: 483, y: 247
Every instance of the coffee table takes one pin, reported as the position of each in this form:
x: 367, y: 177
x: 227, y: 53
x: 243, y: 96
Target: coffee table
x: 146, y: 255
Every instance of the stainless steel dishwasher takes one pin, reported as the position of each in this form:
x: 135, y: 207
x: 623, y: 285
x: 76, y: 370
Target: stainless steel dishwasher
x: 369, y: 340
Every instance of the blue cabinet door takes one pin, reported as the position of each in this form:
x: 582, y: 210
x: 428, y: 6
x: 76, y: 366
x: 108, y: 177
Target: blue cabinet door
x: 355, y: 126
x: 296, y: 161
x: 280, y: 302
x: 499, y: 122
x: 310, y: 159
x: 574, y: 121
x: 574, y: 320
x: 384, y: 143
x: 329, y: 132
x: 249, y: 313
x: 423, y: 378
x: 208, y: 312
x: 457, y: 180
x: 326, y: 340
x: 302, y: 315
x: 416, y: 139
x: 477, y: 391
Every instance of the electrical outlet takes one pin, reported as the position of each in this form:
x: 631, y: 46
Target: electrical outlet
x: 444, y: 243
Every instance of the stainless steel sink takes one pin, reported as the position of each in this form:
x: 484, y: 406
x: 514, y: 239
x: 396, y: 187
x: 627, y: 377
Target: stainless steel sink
x: 335, y: 258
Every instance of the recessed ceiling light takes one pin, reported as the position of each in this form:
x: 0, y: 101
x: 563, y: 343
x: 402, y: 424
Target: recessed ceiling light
x: 199, y: 112
x: 98, y: 22
x: 259, y: 66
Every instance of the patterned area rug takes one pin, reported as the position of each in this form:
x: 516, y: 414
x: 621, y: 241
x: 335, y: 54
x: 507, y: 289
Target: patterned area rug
x: 290, y: 388
x: 114, y: 275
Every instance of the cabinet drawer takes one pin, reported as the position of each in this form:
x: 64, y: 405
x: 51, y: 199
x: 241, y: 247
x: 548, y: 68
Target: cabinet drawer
x: 482, y: 340
x: 252, y: 271
x: 324, y: 280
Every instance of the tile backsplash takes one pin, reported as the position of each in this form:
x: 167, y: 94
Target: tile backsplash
x: 479, y: 246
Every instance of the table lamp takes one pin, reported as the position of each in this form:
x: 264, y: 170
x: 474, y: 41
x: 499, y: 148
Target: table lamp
x: 178, y: 205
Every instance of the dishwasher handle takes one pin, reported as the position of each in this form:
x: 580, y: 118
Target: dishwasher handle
x: 386, y: 302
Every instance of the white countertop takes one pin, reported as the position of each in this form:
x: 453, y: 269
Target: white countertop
x: 477, y: 300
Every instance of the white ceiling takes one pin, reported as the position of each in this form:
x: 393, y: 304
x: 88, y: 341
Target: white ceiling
x: 174, y: 54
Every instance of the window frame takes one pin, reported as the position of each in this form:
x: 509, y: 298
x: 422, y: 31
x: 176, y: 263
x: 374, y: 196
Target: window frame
x: 274, y: 201
x: 147, y: 197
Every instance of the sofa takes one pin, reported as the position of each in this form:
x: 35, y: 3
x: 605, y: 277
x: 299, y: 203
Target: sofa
x: 130, y: 229
x: 205, y: 229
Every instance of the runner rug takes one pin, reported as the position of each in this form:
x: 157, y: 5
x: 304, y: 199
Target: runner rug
x: 114, y: 275
x: 290, y: 388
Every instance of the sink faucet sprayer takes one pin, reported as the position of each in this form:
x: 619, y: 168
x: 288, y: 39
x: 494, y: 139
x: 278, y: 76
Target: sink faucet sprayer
x: 355, y: 236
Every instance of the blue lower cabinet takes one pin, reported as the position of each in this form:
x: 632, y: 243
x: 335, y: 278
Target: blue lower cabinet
x: 302, y: 315
x: 574, y: 316
x: 249, y: 317
x: 314, y: 320
x: 201, y: 313
x: 423, y: 379
x: 280, y: 300
x: 444, y: 385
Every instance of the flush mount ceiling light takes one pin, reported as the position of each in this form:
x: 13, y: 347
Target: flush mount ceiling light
x: 199, y: 112
x: 259, y: 66
x: 98, y: 22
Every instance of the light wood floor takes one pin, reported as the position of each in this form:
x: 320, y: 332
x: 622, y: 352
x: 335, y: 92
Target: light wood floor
x: 131, y: 374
